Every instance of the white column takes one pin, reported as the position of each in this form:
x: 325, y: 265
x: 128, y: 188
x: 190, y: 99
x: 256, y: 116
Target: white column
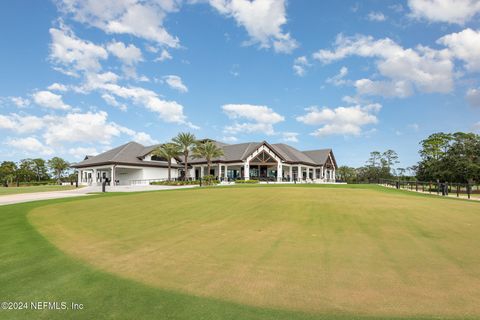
x: 321, y: 172
x: 333, y: 175
x: 219, y: 175
x: 279, y: 172
x: 202, y: 171
x: 225, y: 169
x: 94, y: 176
x: 112, y: 175
x: 246, y: 171
x: 299, y: 173
x: 79, y: 173
x: 291, y: 173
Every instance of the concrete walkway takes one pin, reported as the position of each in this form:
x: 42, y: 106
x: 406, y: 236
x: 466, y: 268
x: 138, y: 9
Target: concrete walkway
x: 85, y: 191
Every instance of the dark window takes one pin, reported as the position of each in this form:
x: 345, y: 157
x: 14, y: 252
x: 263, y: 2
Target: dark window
x: 157, y: 158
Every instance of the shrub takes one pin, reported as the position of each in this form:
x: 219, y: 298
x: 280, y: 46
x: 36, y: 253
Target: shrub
x: 246, y: 181
x: 175, y: 183
x: 209, y: 180
x: 35, y: 183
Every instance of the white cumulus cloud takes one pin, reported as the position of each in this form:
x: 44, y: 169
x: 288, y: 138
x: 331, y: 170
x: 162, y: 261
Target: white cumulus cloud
x: 450, y: 11
x: 342, y: 120
x: 30, y: 145
x: 69, y: 51
x: 290, y: 136
x: 258, y: 118
x: 128, y: 54
x: 473, y: 97
x: 175, y: 82
x: 376, y: 16
x: 339, y: 78
x: 81, y: 152
x: 21, y: 123
x: 57, y: 87
x: 465, y: 46
x: 263, y: 20
x: 423, y: 68
x: 300, y: 65
x: 143, y: 19
x: 50, y: 100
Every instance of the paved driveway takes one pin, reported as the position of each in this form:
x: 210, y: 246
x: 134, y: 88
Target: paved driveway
x: 27, y: 197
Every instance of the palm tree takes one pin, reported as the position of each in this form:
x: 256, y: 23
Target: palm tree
x: 186, y: 141
x: 207, y: 150
x: 168, y: 151
x: 58, y: 165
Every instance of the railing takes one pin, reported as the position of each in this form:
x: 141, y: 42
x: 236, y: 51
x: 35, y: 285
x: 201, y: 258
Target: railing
x: 439, y: 188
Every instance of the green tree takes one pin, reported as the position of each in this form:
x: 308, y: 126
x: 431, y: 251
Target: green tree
x: 8, y: 171
x: 39, y: 166
x: 390, y: 159
x: 374, y: 160
x: 58, y: 166
x: 168, y: 151
x: 186, y: 141
x: 453, y: 157
x: 436, y: 146
x: 463, y: 158
x: 207, y: 150
x: 347, y: 174
x: 26, y: 170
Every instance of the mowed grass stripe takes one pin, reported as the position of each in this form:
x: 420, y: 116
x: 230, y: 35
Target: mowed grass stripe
x: 32, y: 269
x: 362, y: 251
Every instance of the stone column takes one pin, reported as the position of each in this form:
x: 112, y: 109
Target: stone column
x: 246, y: 171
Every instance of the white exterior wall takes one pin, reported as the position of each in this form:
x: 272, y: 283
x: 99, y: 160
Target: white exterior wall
x: 126, y: 175
x: 158, y: 173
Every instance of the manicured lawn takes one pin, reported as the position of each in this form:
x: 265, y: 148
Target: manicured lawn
x: 253, y: 252
x: 16, y: 190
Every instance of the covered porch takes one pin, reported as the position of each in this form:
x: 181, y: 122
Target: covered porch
x: 113, y: 174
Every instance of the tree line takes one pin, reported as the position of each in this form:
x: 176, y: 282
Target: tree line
x: 33, y: 171
x: 444, y: 157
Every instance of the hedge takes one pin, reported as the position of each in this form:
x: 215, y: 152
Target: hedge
x: 246, y: 181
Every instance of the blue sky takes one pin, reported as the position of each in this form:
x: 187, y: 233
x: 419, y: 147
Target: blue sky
x: 80, y: 77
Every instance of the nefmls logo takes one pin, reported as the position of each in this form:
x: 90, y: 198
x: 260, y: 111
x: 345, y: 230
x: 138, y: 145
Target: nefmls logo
x: 48, y: 305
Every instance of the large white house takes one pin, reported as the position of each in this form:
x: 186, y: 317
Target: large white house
x: 133, y: 163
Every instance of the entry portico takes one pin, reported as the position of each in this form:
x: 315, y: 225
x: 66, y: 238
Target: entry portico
x: 269, y: 162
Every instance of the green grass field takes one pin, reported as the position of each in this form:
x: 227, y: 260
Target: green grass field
x: 250, y: 252
x: 15, y: 190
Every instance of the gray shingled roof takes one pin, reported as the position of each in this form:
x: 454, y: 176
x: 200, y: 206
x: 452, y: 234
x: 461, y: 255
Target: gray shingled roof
x: 320, y: 156
x: 291, y: 154
x: 232, y: 152
x: 128, y: 154
x: 132, y: 154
